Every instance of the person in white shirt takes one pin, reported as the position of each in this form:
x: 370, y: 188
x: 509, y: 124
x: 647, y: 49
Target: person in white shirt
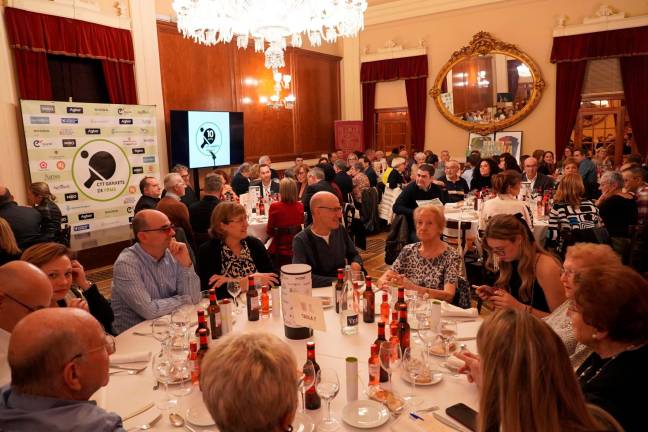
x: 24, y: 288
x: 507, y: 186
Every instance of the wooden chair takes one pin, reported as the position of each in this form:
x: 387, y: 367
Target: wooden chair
x: 452, y: 227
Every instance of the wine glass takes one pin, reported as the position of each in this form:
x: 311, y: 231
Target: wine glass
x: 420, y: 310
x: 327, y: 387
x: 181, y: 375
x: 160, y: 329
x: 414, y: 363
x: 204, y: 299
x: 306, y: 381
x: 390, y: 357
x: 447, y: 334
x: 234, y: 288
x: 163, y: 371
x: 426, y: 332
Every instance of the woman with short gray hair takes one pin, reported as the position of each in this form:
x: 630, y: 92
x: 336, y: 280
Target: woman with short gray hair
x: 618, y: 210
x: 249, y: 383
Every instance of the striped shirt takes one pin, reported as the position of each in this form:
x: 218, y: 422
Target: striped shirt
x: 564, y: 216
x: 144, y: 288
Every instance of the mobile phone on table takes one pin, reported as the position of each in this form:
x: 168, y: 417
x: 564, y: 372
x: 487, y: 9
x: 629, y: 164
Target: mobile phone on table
x: 464, y: 415
x: 489, y: 290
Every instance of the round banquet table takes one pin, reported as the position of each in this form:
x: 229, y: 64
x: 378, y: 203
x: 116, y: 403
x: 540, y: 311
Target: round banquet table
x: 126, y: 393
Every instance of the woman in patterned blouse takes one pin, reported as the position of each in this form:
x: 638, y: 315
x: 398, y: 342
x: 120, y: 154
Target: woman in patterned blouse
x: 429, y: 266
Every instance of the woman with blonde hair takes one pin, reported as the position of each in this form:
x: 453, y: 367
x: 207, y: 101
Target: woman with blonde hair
x: 284, y: 215
x: 570, y: 210
x: 42, y: 199
x: 529, y: 277
x: 232, y: 254
x: 525, y: 379
x: 507, y: 185
x: 9, y: 250
x: 69, y: 284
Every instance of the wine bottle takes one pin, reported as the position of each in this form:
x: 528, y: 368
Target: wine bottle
x: 265, y: 302
x: 384, y: 309
x: 193, y: 362
x: 403, y: 329
x: 401, y: 299
x: 349, y: 309
x: 339, y: 287
x: 215, y: 319
x: 369, y: 313
x: 375, y: 371
x: 202, y: 323
x: 393, y: 327
x: 252, y: 297
x: 204, y: 346
x: 384, y: 377
x: 313, y: 400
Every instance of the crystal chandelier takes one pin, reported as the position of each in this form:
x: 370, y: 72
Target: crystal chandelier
x: 273, y: 21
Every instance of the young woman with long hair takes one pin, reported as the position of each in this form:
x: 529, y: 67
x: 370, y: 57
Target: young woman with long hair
x: 506, y: 185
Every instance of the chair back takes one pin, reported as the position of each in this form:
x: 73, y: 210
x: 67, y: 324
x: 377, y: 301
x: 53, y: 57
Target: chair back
x: 455, y: 233
x: 64, y: 235
x: 282, y: 239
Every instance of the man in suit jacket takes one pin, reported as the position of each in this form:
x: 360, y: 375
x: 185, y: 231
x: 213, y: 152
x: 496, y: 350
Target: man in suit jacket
x: 316, y: 183
x: 189, y: 196
x: 537, y: 180
x: 170, y: 205
x: 268, y: 185
x: 342, y: 179
x: 241, y: 180
x: 200, y: 212
x: 150, y: 189
x: 369, y: 171
x: 265, y: 160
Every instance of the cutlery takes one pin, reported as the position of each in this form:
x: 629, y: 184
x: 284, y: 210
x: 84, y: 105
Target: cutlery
x: 146, y: 426
x: 142, y: 334
x: 138, y: 411
x: 432, y: 408
x: 178, y: 421
x: 447, y: 422
x: 128, y: 367
x: 127, y: 372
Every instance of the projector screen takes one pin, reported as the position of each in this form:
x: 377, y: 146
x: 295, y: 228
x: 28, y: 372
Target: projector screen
x: 203, y: 139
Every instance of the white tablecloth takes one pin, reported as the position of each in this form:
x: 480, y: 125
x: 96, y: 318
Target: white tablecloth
x: 125, y: 393
x: 257, y: 227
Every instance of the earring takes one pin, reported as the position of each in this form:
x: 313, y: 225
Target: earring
x: 594, y: 336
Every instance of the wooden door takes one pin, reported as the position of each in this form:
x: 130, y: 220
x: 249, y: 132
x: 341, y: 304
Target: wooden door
x: 393, y: 129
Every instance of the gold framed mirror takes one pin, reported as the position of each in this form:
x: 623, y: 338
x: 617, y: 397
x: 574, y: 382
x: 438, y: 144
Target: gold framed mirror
x: 488, y: 85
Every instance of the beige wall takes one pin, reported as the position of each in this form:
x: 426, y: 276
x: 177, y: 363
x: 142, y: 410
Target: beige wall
x: 526, y: 23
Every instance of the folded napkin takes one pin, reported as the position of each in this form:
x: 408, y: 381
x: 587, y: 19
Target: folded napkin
x: 140, y: 356
x: 448, y: 310
x: 467, y: 330
x: 405, y: 423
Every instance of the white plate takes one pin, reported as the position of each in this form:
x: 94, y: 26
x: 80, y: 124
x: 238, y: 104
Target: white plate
x: 435, y: 376
x: 199, y: 416
x: 327, y: 302
x: 303, y: 423
x: 365, y: 414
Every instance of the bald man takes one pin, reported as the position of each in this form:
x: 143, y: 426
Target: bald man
x: 325, y: 245
x: 24, y: 288
x: 58, y: 359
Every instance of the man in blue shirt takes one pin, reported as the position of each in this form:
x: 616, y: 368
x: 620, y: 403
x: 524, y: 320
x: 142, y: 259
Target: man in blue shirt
x: 587, y: 170
x: 155, y: 276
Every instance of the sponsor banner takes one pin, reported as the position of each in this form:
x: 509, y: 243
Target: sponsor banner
x: 92, y: 156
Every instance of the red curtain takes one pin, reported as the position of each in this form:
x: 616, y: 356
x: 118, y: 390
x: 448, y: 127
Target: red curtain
x: 569, y: 84
x: 40, y: 34
x: 368, y: 117
x: 416, y: 106
x: 389, y: 70
x: 612, y: 43
x: 634, y: 72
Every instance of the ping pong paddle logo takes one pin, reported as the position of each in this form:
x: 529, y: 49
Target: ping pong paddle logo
x: 101, y: 170
x: 208, y: 139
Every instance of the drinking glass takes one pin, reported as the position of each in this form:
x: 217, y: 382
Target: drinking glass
x: 181, y: 317
x: 234, y: 288
x: 181, y: 375
x: 160, y: 329
x: 327, y: 386
x: 390, y: 358
x: 426, y: 332
x: 306, y: 381
x: 204, y: 299
x: 414, y: 363
x: 447, y: 334
x: 420, y: 309
x: 162, y: 365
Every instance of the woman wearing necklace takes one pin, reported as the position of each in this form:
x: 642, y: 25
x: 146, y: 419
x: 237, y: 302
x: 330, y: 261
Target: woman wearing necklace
x: 609, y: 314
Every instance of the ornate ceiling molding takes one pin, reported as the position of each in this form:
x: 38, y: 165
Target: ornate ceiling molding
x: 403, y: 9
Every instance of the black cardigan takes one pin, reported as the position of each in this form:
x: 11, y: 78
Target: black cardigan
x: 209, y: 262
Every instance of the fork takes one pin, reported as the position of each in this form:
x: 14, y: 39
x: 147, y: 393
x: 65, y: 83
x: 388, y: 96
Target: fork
x: 146, y: 426
x: 128, y: 372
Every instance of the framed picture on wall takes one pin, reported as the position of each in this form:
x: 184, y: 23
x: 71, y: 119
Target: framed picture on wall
x: 484, y: 144
x: 509, y: 141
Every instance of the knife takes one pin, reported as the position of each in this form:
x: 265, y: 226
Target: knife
x: 138, y: 412
x: 446, y: 421
x: 127, y: 367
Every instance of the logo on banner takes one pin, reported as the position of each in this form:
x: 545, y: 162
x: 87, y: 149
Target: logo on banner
x: 138, y: 170
x: 125, y: 121
x: 69, y: 120
x: 42, y: 165
x: 138, y: 150
x: 69, y: 143
x: 83, y: 227
x: 64, y: 219
x: 93, y: 131
x: 66, y: 131
x: 75, y: 110
x: 122, y: 111
x: 209, y: 139
x: 60, y: 187
x: 41, y: 143
x: 39, y: 120
x: 86, y: 216
x: 148, y: 159
x: 47, y: 109
x: 60, y: 165
x: 132, y: 189
x: 73, y: 196
x: 101, y: 170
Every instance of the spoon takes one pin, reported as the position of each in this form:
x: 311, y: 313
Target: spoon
x: 178, y: 421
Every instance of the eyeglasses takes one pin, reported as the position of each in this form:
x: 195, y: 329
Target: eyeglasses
x: 333, y: 209
x: 567, y: 272
x: 108, y: 345
x: 163, y: 228
x: 26, y: 306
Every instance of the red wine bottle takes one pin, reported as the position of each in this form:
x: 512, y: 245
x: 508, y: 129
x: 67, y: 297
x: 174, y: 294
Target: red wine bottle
x: 313, y: 400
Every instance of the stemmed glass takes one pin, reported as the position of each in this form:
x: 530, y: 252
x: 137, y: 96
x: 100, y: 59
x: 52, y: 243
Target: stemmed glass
x: 390, y: 358
x: 204, y: 299
x: 447, y: 334
x: 327, y: 387
x: 162, y: 365
x: 234, y: 288
x: 306, y: 381
x: 414, y: 363
x: 160, y: 329
x: 426, y: 332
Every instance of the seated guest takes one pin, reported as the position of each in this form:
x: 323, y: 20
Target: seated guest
x: 329, y: 176
x: 521, y: 356
x: 150, y: 190
x: 472, y: 161
x: 342, y: 178
x: 370, y: 171
x: 429, y: 266
x: 609, y: 314
x: 547, y: 165
x: 240, y: 181
x: 265, y: 160
x: 634, y: 182
x: 444, y: 157
x: 422, y: 189
x: 602, y: 160
x: 266, y: 183
x: 69, y: 284
x: 360, y: 181
x: 529, y: 277
x: 301, y: 173
x: 170, y: 205
x: 9, y: 250
x: 538, y: 182
x: 41, y: 198
x: 200, y: 212
x: 23, y: 289
x: 25, y: 222
x: 316, y: 183
x: 288, y: 212
x: 325, y: 245
x: 153, y: 277
x: 456, y: 187
x: 618, y: 210
x: 58, y: 359
x: 189, y: 195
x: 587, y: 170
x: 231, y: 254
x: 570, y: 166
x: 397, y: 175
x: 227, y: 193
x: 570, y: 210
x: 508, y: 162
x: 239, y: 364
x: 568, y: 153
x: 507, y: 186
x: 482, y: 173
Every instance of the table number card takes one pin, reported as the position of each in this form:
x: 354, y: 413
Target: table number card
x: 308, y: 311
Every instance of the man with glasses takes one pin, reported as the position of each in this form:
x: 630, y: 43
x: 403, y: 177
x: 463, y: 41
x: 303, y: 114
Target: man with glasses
x: 455, y: 186
x: 24, y: 288
x: 189, y: 197
x: 58, y: 359
x: 155, y: 276
x: 325, y: 245
x: 537, y: 181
